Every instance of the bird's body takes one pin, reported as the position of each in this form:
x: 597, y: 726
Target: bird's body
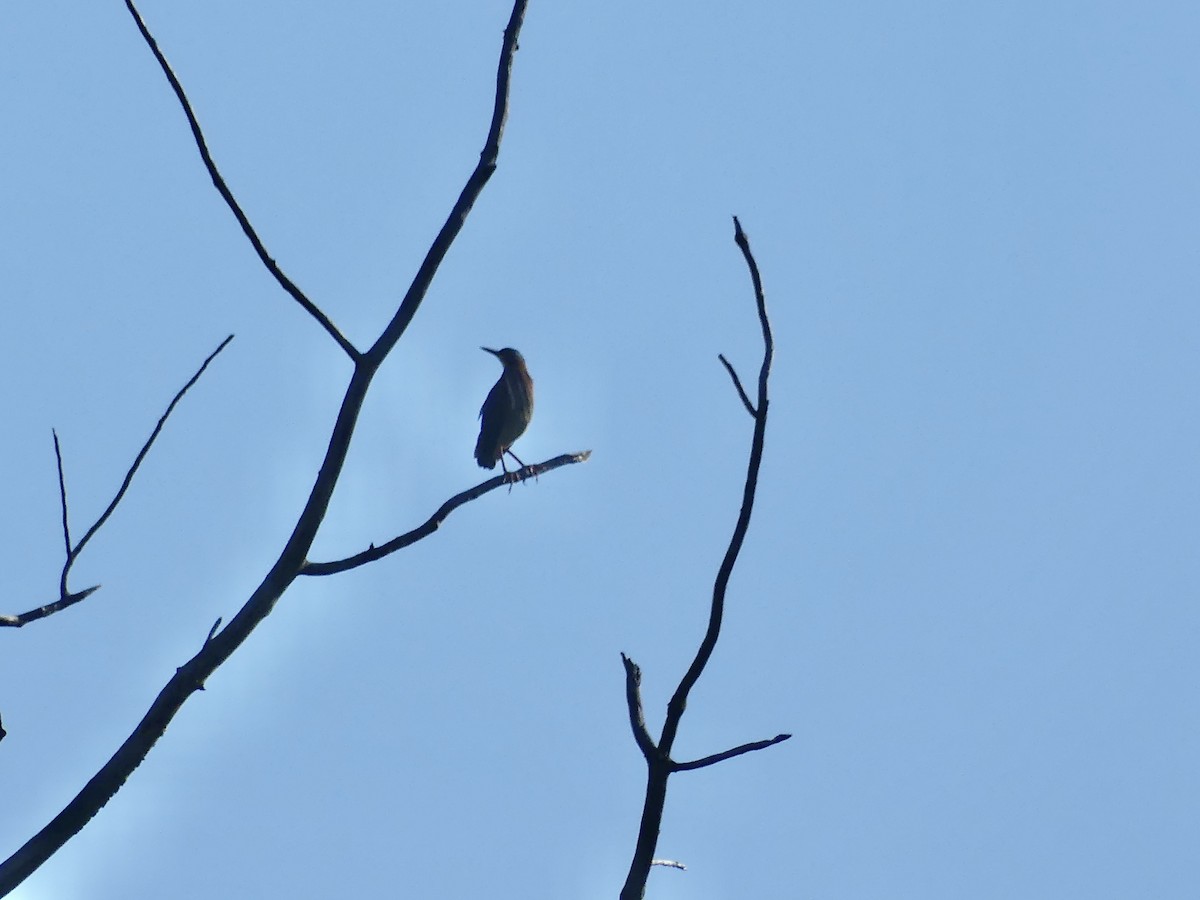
x: 506, y: 412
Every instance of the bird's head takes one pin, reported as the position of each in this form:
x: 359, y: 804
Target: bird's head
x: 508, y: 356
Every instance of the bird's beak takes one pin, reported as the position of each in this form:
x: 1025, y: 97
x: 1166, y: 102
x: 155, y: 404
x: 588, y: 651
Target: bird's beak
x: 495, y: 353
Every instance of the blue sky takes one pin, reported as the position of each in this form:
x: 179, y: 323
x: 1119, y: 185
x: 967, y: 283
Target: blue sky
x: 970, y: 587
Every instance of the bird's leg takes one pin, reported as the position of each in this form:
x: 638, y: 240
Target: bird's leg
x: 518, y: 459
x: 507, y: 480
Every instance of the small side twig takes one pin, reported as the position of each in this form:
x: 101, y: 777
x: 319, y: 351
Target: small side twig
x: 637, y: 719
x: 10, y: 621
x: 62, y: 492
x: 223, y: 189
x: 434, y: 522
x: 737, y: 383
x: 213, y: 631
x: 669, y: 863
x: 729, y: 754
x: 137, y: 462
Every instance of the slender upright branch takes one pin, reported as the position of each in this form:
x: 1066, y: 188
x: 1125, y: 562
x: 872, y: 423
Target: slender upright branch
x: 637, y: 718
x: 220, y: 644
x: 62, y: 493
x: 488, y: 158
x: 659, y: 765
x: 226, y: 194
x: 678, y: 701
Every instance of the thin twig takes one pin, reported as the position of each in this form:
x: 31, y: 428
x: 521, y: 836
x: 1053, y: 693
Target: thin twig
x: 223, y: 189
x: 430, y: 525
x: 743, y: 243
x: 62, y: 494
x: 737, y: 383
x: 729, y: 754
x: 9, y: 621
x: 137, y: 462
x: 212, y: 631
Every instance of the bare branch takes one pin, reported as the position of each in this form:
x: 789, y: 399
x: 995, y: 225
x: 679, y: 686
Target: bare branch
x: 227, y: 195
x: 8, y: 621
x: 660, y: 768
x: 678, y: 701
x: 62, y: 494
x: 737, y: 383
x: 430, y: 525
x: 637, y: 719
x: 488, y: 158
x: 190, y: 677
x: 70, y: 598
x: 730, y: 754
x: 137, y: 462
x: 739, y: 238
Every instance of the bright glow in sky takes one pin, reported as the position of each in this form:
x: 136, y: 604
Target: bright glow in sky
x: 970, y: 589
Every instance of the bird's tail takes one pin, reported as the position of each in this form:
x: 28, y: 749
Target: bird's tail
x: 484, y: 455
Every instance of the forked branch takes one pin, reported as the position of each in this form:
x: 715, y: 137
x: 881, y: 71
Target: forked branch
x: 659, y: 764
x: 66, y: 597
x: 221, y: 643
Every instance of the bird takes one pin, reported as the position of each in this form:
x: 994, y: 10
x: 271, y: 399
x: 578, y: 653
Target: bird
x: 506, y: 412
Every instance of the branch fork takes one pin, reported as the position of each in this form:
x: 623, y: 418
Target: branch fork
x: 220, y: 643
x: 659, y: 764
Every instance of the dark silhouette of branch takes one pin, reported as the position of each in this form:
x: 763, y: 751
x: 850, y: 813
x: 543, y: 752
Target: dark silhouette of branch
x: 430, y: 525
x: 212, y: 631
x: 470, y: 193
x: 66, y: 597
x: 659, y: 764
x: 637, y: 719
x: 737, y: 383
x: 62, y: 493
x: 730, y: 754
x: 223, y: 189
x: 137, y: 462
x: 220, y: 644
x: 41, y: 612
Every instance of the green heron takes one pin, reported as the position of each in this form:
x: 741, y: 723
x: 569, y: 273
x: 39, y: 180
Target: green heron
x: 506, y: 411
